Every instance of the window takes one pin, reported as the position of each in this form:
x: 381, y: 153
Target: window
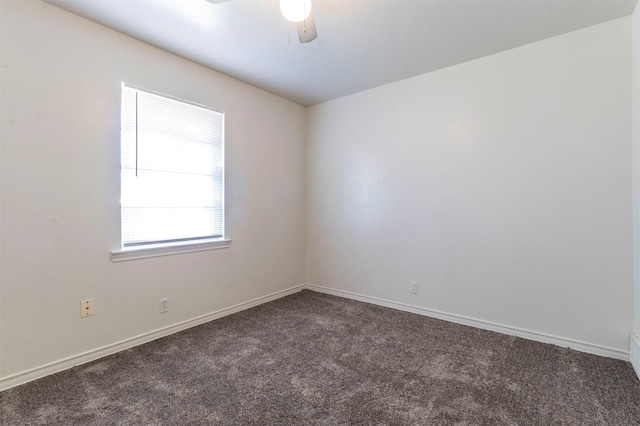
x: 172, y: 172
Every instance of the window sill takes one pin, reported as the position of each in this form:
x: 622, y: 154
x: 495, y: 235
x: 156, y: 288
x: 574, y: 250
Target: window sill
x: 167, y: 250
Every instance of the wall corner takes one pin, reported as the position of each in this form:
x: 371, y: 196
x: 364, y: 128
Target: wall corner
x: 635, y: 84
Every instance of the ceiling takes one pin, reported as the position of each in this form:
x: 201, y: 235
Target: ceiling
x: 361, y: 43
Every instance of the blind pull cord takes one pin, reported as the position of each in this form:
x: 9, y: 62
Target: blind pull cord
x: 136, y: 134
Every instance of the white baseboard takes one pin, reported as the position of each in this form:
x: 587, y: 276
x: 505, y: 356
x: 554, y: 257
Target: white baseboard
x: 485, y: 325
x: 92, y: 355
x: 82, y: 358
x: 635, y: 353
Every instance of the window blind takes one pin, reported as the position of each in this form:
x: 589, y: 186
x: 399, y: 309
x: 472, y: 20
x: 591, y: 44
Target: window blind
x: 172, y: 175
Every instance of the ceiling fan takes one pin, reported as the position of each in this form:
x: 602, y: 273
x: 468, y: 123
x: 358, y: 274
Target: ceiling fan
x: 299, y: 12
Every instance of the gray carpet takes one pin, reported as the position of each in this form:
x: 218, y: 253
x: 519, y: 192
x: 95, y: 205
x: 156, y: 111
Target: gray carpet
x: 316, y: 359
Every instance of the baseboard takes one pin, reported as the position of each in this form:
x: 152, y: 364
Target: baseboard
x: 634, y: 351
x: 485, y: 325
x: 66, y: 363
x: 72, y: 361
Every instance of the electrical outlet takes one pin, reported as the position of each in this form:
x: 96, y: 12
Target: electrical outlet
x: 86, y: 308
x: 164, y: 305
x: 414, y: 287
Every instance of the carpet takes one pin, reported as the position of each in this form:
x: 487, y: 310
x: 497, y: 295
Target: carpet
x: 316, y: 359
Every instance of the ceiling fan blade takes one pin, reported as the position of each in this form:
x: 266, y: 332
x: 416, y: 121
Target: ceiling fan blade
x: 307, y: 30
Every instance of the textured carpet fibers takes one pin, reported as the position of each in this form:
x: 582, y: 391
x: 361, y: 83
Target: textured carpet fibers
x: 316, y: 359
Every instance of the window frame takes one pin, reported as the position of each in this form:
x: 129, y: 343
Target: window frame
x: 151, y: 249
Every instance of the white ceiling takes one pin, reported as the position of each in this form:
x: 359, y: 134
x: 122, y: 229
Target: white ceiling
x: 361, y: 43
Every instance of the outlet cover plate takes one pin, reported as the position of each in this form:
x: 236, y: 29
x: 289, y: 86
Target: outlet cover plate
x: 164, y: 305
x: 86, y: 308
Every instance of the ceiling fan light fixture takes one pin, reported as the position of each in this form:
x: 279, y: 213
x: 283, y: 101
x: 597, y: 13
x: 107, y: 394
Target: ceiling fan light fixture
x: 295, y: 10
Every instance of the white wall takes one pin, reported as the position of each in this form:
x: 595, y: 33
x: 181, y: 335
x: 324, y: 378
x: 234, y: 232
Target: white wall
x: 635, y: 340
x: 60, y: 102
x: 502, y: 185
